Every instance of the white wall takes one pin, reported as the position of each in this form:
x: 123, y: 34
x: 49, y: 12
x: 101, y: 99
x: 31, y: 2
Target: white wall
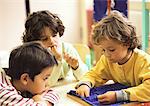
x: 12, y: 14
x: 67, y: 10
x: 12, y: 18
x: 135, y: 16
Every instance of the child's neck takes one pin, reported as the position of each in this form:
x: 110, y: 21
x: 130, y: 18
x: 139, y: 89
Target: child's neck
x: 17, y: 85
x: 126, y: 58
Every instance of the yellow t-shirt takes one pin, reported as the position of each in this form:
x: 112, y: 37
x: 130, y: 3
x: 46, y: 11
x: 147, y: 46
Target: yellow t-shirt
x: 134, y: 73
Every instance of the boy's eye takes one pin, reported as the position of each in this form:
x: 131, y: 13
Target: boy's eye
x: 45, y: 39
x: 112, y: 50
x: 54, y: 35
x: 103, y: 50
x: 45, y: 78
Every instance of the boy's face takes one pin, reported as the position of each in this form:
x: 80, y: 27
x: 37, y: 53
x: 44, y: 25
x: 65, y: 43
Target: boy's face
x: 114, y: 51
x: 39, y: 85
x: 50, y: 39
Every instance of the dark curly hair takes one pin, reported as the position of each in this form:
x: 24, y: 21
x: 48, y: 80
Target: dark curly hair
x: 37, y: 21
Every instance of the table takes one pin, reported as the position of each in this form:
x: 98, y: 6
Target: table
x: 65, y: 86
x: 64, y: 99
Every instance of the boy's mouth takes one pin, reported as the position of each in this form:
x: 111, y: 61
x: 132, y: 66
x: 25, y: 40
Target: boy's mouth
x: 111, y: 60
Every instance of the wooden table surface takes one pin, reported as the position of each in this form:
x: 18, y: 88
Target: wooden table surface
x: 64, y: 99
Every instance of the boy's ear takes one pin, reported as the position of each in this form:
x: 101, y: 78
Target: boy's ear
x: 24, y: 78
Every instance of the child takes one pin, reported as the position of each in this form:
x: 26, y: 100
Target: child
x: 48, y: 28
x: 122, y: 62
x: 25, y: 82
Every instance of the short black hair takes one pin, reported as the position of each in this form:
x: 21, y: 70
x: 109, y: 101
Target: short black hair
x: 30, y: 58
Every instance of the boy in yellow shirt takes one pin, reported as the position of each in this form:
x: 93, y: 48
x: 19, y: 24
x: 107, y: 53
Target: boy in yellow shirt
x: 122, y: 62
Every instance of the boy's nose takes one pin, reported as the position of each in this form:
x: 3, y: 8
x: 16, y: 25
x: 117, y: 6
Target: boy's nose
x: 107, y: 54
x: 51, y: 41
x: 47, y: 85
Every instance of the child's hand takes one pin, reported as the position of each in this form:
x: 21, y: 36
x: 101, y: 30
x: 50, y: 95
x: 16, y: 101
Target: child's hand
x: 73, y: 62
x: 39, y: 98
x: 83, y: 91
x: 56, y: 53
x: 107, y: 98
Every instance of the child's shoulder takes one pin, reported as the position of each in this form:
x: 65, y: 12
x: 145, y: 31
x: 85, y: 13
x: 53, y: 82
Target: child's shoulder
x: 4, y: 76
x: 140, y: 54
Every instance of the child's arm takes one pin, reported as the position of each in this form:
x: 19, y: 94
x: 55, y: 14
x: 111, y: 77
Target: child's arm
x: 113, y: 96
x: 72, y: 58
x: 51, y: 96
x: 140, y: 92
x: 9, y: 96
x: 39, y: 99
x: 97, y: 76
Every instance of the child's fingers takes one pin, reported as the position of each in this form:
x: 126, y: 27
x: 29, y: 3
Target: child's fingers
x: 87, y: 94
x: 56, y: 53
x: 53, y: 46
x: 37, y: 98
x: 67, y: 58
x: 101, y: 98
x: 74, y: 61
x: 71, y: 60
x: 81, y: 93
x: 53, y: 49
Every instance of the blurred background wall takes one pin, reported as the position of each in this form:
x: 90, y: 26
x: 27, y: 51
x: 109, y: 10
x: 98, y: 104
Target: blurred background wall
x: 75, y: 14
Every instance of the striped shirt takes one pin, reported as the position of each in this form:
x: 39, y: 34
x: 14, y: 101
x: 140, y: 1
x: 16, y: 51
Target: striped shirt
x: 9, y: 96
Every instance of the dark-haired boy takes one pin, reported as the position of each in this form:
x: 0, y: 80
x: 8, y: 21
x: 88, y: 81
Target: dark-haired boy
x: 25, y: 82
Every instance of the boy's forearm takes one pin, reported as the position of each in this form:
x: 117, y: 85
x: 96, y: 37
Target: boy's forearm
x: 80, y: 71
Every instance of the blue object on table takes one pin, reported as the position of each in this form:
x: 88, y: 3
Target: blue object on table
x: 93, y: 100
